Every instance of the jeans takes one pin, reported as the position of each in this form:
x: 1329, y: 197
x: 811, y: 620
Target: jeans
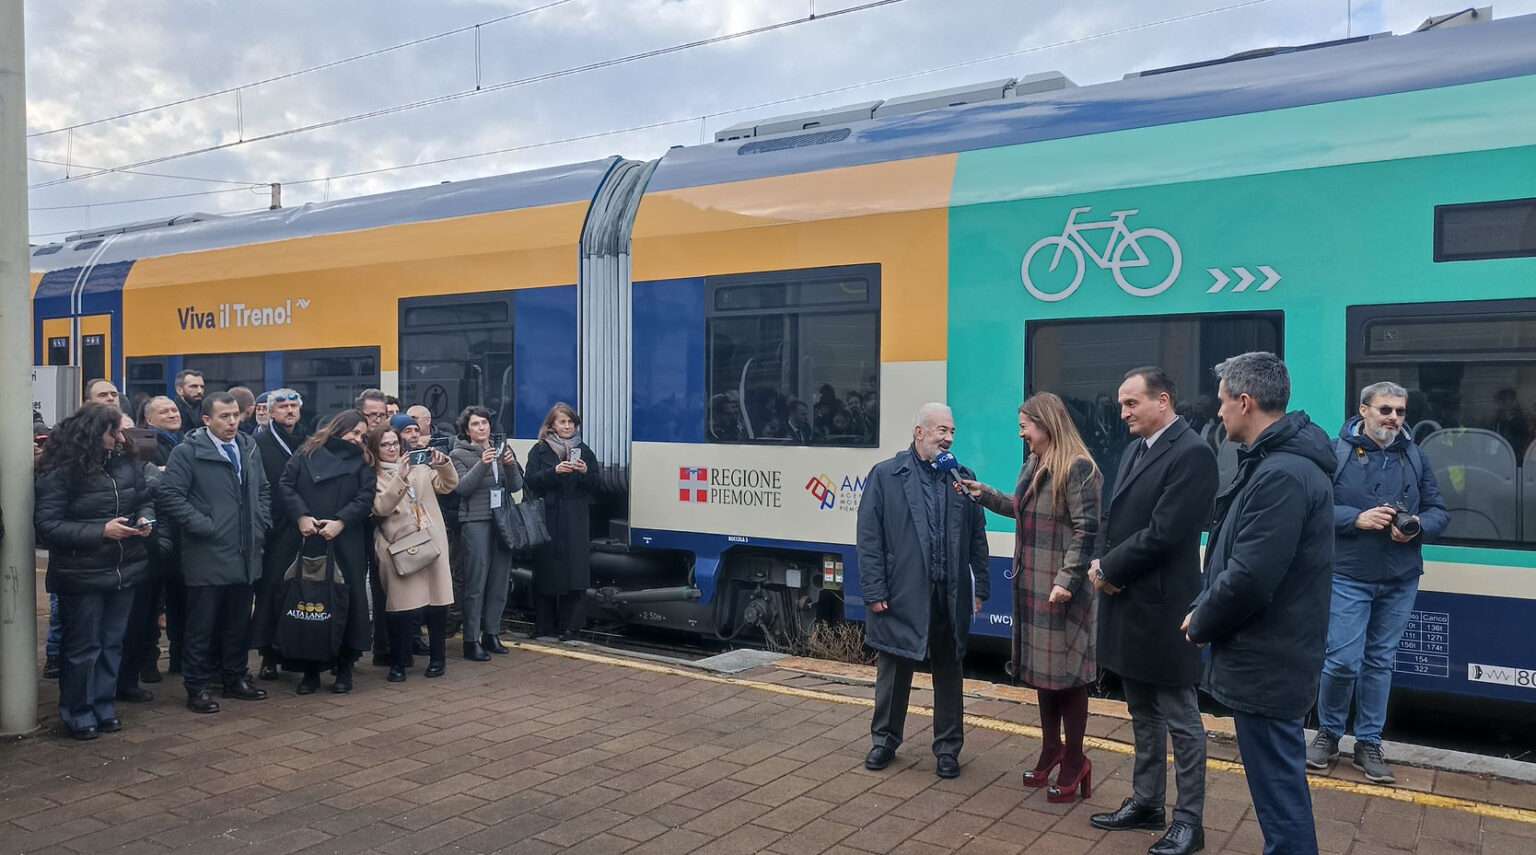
x: 55, y: 628
x: 91, y: 653
x: 1274, y: 761
x: 1365, y: 622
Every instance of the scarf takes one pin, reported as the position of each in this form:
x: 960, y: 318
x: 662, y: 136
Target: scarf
x: 286, y: 439
x: 562, y: 447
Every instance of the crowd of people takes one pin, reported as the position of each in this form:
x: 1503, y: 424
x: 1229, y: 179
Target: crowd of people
x: 1308, y: 581
x: 219, y: 518
x: 770, y: 415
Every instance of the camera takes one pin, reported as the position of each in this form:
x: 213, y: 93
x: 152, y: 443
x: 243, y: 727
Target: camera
x: 1404, y: 521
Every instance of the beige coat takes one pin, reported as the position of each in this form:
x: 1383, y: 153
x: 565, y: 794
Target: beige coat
x: 395, y: 516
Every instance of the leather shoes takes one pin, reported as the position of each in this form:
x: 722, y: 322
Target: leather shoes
x: 435, y: 668
x: 109, y: 725
x: 135, y: 696
x: 1181, y: 839
x: 474, y: 653
x: 244, y: 691
x: 83, y: 733
x: 1130, y: 816
x: 343, y: 684
x: 879, y: 757
x: 202, y: 702
x: 396, y: 675
x: 309, y: 684
x: 492, y: 644
x: 948, y: 766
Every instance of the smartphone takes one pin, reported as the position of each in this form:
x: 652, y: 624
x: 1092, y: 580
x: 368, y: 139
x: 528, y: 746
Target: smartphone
x: 574, y: 455
x: 420, y: 456
x: 149, y: 525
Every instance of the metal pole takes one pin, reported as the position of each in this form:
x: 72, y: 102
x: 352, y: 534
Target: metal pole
x: 18, y: 562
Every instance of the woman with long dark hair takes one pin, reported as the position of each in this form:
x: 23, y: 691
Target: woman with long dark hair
x: 488, y: 476
x: 328, y: 488
x: 1056, y: 509
x: 94, y: 513
x: 562, y: 471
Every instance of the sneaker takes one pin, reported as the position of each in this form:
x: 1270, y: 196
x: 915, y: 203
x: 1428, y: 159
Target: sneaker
x: 1368, y: 759
x: 1320, y: 752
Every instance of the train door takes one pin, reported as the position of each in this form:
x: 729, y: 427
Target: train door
x: 456, y: 351
x: 95, y: 356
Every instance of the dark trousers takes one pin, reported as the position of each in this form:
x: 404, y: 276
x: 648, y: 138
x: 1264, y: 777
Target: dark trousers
x: 141, y: 635
x: 403, y: 630
x: 90, y: 653
x: 376, y: 598
x: 560, y: 614
x: 218, y: 635
x: 175, y: 618
x: 1156, y: 711
x: 1274, y: 761
x: 893, y: 687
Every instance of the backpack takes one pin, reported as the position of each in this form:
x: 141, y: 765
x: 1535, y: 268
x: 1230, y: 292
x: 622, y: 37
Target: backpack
x: 1342, y: 451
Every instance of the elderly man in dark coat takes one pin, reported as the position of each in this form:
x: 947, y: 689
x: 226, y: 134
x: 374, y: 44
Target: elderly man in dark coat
x: 1148, y: 574
x: 216, y: 491
x: 923, y: 574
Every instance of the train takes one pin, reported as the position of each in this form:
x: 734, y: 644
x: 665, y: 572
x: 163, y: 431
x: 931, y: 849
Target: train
x: 748, y: 325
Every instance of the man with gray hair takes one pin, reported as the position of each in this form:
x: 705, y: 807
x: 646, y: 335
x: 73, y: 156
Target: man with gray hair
x: 1263, y: 609
x: 923, y: 574
x: 1386, y: 504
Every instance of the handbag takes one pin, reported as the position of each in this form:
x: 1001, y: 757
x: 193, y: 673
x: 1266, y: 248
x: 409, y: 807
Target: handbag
x: 510, y: 527
x: 314, y: 608
x: 531, y: 511
x: 413, y: 552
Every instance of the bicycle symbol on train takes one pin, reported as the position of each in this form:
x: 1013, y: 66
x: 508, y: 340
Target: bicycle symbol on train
x: 1122, y: 252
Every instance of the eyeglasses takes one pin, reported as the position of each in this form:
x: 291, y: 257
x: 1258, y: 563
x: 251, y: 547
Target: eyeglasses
x: 1387, y: 411
x: 389, y: 445
x: 285, y: 398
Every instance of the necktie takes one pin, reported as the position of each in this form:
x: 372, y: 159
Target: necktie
x: 234, y: 456
x: 1141, y: 450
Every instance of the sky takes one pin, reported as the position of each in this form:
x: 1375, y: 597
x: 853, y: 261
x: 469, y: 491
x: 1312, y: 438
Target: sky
x: 92, y: 59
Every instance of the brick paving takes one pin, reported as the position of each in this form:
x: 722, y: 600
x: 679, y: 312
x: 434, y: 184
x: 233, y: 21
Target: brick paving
x: 536, y: 753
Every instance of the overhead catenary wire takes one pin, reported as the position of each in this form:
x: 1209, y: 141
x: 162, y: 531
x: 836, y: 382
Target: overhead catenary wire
x: 468, y: 93
x: 46, y: 161
x: 108, y: 202
x: 299, y: 72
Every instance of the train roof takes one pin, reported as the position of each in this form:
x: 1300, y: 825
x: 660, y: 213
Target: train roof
x: 191, y: 233
x: 1358, y: 68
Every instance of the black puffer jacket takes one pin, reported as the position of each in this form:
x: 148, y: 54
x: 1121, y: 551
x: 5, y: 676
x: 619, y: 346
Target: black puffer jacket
x: 71, y: 517
x: 1269, y: 574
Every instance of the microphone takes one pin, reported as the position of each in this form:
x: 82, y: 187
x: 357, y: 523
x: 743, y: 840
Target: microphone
x: 949, y: 466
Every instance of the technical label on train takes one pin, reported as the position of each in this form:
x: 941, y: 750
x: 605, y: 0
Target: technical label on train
x: 1425, y: 648
x: 1503, y: 675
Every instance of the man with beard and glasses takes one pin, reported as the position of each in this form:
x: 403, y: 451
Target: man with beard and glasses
x: 277, y: 441
x: 1386, y: 504
x: 923, y: 569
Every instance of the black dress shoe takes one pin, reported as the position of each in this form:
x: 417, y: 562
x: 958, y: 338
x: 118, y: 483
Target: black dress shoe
x: 1181, y: 839
x: 343, y: 683
x: 435, y: 668
x: 109, y: 725
x: 135, y: 696
x: 83, y: 733
x: 310, y: 684
x: 1130, y: 816
x: 396, y: 675
x: 879, y: 757
x: 202, y: 702
x: 244, y: 691
x: 948, y: 766
x: 492, y: 644
x: 474, y: 653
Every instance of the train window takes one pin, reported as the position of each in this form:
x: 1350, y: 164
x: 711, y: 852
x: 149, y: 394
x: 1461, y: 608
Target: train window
x: 794, y: 357
x: 221, y: 372
x: 328, y: 380
x: 145, y: 379
x: 1470, y: 372
x: 457, y: 351
x: 1085, y: 362
x: 1485, y: 230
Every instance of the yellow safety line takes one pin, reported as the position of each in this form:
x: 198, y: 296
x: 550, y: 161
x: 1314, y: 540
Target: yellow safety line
x: 1415, y: 797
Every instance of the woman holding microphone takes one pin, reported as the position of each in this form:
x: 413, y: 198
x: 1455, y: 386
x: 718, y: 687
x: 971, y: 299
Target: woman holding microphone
x: 488, y: 476
x: 1056, y: 510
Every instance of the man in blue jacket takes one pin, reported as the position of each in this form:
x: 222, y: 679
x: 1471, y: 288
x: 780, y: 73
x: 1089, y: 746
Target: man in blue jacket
x: 1385, y: 505
x: 1264, y: 607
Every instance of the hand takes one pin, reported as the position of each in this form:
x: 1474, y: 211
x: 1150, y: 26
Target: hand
x: 487, y: 456
x: 405, y: 466
x: 1060, y: 595
x: 880, y: 608
x: 564, y: 468
x: 1399, y: 537
x: 967, y: 487
x: 439, y: 459
x: 578, y: 466
x: 978, y: 607
x: 1184, y: 628
x: 508, y: 456
x: 308, y: 526
x: 119, y: 529
x: 144, y: 528
x: 1375, y: 519
x: 332, y: 529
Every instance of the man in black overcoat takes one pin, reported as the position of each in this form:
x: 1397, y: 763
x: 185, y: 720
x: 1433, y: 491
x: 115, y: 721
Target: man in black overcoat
x: 1147, y: 575
x: 277, y: 440
x: 923, y: 574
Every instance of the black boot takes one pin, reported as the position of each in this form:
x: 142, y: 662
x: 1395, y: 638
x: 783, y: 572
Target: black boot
x: 492, y: 644
x: 343, y: 683
x: 473, y: 653
x: 311, y: 682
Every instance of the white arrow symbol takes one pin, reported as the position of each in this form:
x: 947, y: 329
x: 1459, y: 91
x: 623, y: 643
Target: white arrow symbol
x: 1243, y: 282
x: 1220, y: 278
x: 1271, y: 277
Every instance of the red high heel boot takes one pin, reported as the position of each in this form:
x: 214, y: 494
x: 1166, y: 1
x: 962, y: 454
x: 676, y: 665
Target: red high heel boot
x: 1067, y: 791
x: 1040, y: 776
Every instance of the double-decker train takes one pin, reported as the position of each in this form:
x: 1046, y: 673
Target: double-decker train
x: 748, y: 326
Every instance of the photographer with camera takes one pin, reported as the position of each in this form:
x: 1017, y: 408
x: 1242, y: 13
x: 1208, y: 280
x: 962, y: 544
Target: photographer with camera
x: 1385, y: 506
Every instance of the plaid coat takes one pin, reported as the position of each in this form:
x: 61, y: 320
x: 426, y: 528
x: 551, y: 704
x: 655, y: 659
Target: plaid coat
x: 1053, y: 645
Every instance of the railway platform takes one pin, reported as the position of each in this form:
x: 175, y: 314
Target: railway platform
x: 576, y: 748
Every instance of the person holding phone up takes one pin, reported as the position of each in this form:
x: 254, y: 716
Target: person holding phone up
x: 94, y: 513
x: 488, y: 476
x: 561, y: 471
